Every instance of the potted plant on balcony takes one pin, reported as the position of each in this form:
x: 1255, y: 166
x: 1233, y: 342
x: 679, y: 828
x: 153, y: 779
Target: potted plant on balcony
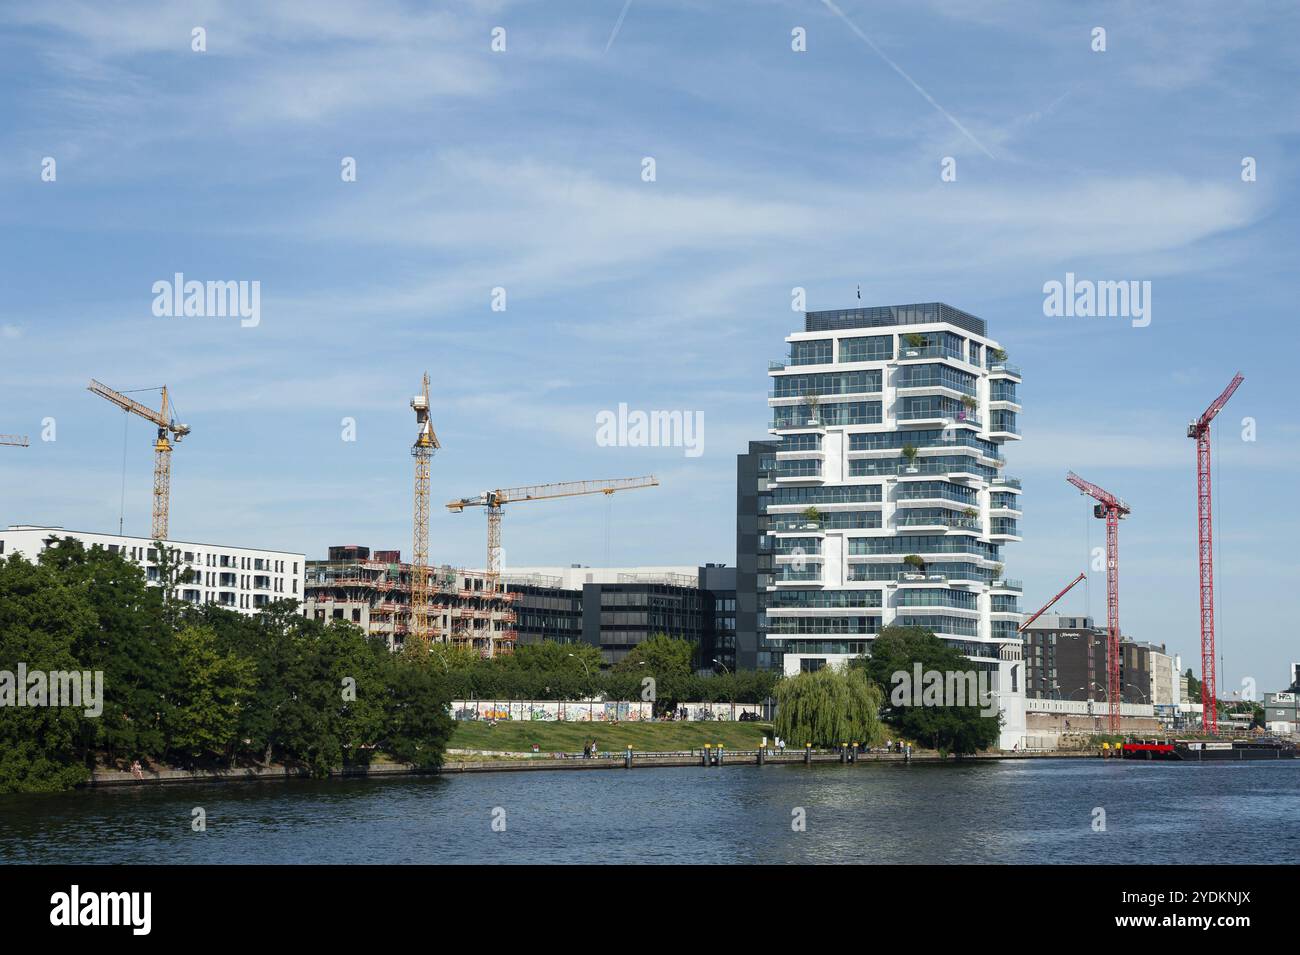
x: 998, y: 354
x: 970, y: 513
x: 968, y: 404
x: 812, y: 402
x: 909, y: 452
x: 914, y: 342
x: 916, y: 562
x: 812, y: 518
x: 997, y: 574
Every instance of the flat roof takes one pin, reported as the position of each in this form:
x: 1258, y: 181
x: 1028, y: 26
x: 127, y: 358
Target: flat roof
x: 879, y: 316
x: 148, y: 540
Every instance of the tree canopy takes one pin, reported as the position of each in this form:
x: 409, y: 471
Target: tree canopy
x: 198, y: 685
x: 947, y: 728
x: 828, y: 707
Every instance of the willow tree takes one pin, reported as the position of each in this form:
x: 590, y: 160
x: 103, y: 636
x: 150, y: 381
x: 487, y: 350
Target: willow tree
x: 828, y: 707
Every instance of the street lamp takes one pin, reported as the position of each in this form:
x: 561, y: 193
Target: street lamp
x: 591, y: 702
x: 733, y: 701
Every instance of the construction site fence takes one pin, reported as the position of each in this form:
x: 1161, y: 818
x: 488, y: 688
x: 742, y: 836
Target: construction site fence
x: 597, y: 711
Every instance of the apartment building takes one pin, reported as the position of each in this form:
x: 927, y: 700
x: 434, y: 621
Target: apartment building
x: 882, y: 497
x: 245, y: 579
x: 373, y: 591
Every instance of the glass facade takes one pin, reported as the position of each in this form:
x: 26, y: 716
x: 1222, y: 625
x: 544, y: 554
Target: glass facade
x: 922, y: 547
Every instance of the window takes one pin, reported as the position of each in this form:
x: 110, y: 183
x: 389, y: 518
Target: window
x: 873, y: 348
x: 811, y: 353
x: 834, y: 413
x: 931, y: 376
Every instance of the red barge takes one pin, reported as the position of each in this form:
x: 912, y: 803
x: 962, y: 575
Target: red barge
x: 1197, y: 750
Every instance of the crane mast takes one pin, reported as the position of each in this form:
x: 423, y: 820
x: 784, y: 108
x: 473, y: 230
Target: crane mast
x: 162, y: 463
x: 1110, y: 508
x: 1199, y: 430
x: 426, y: 443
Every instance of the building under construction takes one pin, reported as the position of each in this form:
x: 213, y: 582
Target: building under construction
x: 373, y: 591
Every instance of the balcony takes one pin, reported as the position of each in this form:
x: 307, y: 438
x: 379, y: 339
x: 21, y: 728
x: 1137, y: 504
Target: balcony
x: 916, y: 579
x: 1002, y: 369
x: 1005, y: 482
x: 926, y: 497
x: 907, y: 353
x: 1005, y: 583
x: 936, y: 522
x: 920, y: 470
x: 932, y: 386
x: 940, y: 416
x: 1004, y: 528
x: 802, y: 577
x: 797, y: 525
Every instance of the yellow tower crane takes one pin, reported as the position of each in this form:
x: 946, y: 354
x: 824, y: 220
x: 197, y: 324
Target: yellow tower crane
x: 426, y: 443
x: 162, y: 457
x: 493, y: 501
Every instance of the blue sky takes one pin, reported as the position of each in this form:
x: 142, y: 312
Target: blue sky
x: 522, y: 170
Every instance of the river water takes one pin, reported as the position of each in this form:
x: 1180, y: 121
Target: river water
x: 1023, y: 811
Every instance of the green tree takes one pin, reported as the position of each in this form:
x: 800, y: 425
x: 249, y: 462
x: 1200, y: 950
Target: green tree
x: 828, y: 707
x: 416, y: 719
x: 211, y: 689
x: 667, y: 661
x: 131, y: 643
x: 948, y: 729
x: 41, y: 621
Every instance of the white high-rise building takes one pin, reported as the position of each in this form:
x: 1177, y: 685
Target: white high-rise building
x: 245, y: 579
x: 887, y: 501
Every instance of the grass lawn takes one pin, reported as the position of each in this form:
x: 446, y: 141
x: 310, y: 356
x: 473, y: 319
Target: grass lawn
x: 512, y: 736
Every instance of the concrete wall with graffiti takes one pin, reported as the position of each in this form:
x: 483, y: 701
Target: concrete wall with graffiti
x: 592, y: 711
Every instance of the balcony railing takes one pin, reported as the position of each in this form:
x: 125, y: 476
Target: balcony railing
x: 935, y: 381
x: 907, y: 353
x: 802, y: 576
x: 961, y: 523
x: 1002, y: 367
x: 903, y: 498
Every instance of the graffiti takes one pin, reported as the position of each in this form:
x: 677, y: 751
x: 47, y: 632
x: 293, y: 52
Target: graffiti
x: 595, y: 711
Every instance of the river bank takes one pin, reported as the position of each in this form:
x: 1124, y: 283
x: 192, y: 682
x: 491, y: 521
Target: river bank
x: 480, y: 761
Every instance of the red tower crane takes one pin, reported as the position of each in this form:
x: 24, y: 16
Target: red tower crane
x: 1200, y: 430
x: 1048, y: 606
x: 1110, y: 508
